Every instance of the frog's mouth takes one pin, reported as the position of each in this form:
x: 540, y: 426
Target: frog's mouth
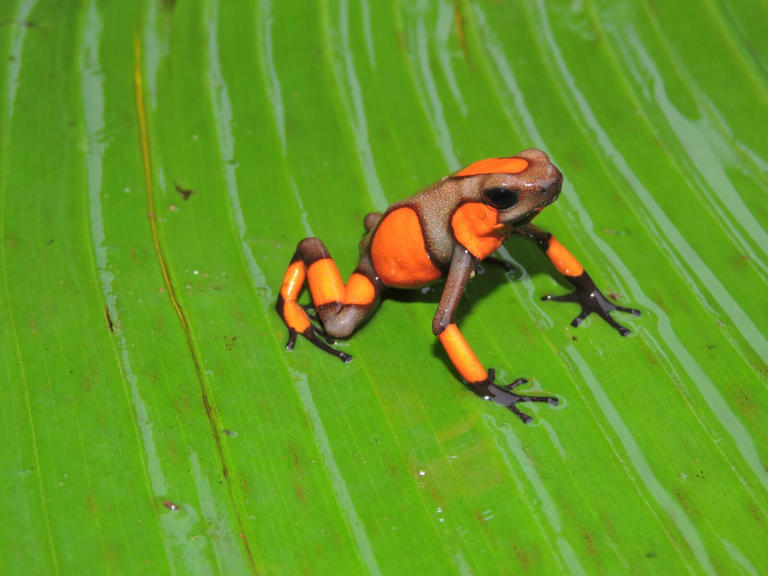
x: 526, y: 218
x: 550, y: 194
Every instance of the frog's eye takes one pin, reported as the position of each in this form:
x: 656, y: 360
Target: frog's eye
x: 501, y: 198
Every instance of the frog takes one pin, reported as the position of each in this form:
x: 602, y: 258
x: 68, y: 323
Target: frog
x: 442, y: 234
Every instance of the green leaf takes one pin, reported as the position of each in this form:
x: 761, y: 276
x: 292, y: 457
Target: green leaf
x: 159, y: 162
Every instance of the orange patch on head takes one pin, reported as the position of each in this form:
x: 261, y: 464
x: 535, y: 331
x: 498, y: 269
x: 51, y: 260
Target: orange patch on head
x: 461, y: 355
x: 399, y: 253
x: 475, y: 226
x: 494, y: 166
x: 563, y: 260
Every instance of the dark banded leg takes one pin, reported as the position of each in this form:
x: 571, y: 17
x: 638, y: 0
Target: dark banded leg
x: 586, y: 295
x: 340, y: 308
x: 482, y: 383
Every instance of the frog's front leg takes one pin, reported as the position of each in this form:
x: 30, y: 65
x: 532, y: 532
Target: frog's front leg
x: 465, y: 361
x: 587, y: 295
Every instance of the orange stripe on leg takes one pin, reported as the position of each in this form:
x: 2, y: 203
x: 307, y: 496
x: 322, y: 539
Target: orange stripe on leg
x: 293, y: 281
x: 563, y: 260
x: 325, y: 282
x: 295, y: 317
x: 461, y: 355
x: 360, y: 290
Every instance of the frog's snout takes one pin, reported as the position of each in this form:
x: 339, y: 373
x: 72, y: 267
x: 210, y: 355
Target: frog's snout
x: 550, y: 191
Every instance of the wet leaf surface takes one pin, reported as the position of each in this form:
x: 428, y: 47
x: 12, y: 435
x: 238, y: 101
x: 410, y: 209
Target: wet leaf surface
x: 159, y: 161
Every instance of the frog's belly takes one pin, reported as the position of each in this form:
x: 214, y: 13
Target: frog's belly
x: 398, y: 251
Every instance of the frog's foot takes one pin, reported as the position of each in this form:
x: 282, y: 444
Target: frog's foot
x: 504, y: 395
x: 313, y: 335
x: 589, y: 297
x: 297, y: 319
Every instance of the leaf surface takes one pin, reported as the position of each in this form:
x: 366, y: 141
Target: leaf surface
x: 159, y: 162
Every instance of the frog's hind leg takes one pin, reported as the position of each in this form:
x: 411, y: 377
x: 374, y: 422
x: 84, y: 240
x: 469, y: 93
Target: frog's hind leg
x: 340, y: 308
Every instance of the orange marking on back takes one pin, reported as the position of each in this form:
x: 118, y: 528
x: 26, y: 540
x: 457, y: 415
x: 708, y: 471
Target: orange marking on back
x: 475, y: 227
x: 494, y: 166
x: 360, y: 290
x: 461, y: 355
x: 398, y: 251
x: 293, y: 281
x: 325, y: 282
x: 295, y: 317
x: 563, y: 260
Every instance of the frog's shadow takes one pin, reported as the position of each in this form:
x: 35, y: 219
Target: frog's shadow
x: 529, y: 261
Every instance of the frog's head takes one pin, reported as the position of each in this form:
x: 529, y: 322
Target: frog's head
x: 517, y: 187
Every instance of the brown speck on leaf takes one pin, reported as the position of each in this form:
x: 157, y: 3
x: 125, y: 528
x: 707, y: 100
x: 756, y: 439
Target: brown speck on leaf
x: 170, y: 505
x: 185, y: 194
x: 22, y: 23
x: 459, y: 21
x: 109, y: 320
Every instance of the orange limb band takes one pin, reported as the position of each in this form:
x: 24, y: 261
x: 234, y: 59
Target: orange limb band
x: 494, y: 166
x: 360, y: 291
x: 293, y: 281
x: 295, y: 317
x: 563, y: 260
x: 325, y: 282
x: 461, y: 355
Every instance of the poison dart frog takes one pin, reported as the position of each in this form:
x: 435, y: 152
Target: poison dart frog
x: 441, y: 232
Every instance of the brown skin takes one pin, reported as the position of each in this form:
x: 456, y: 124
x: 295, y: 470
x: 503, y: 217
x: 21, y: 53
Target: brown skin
x: 441, y: 232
